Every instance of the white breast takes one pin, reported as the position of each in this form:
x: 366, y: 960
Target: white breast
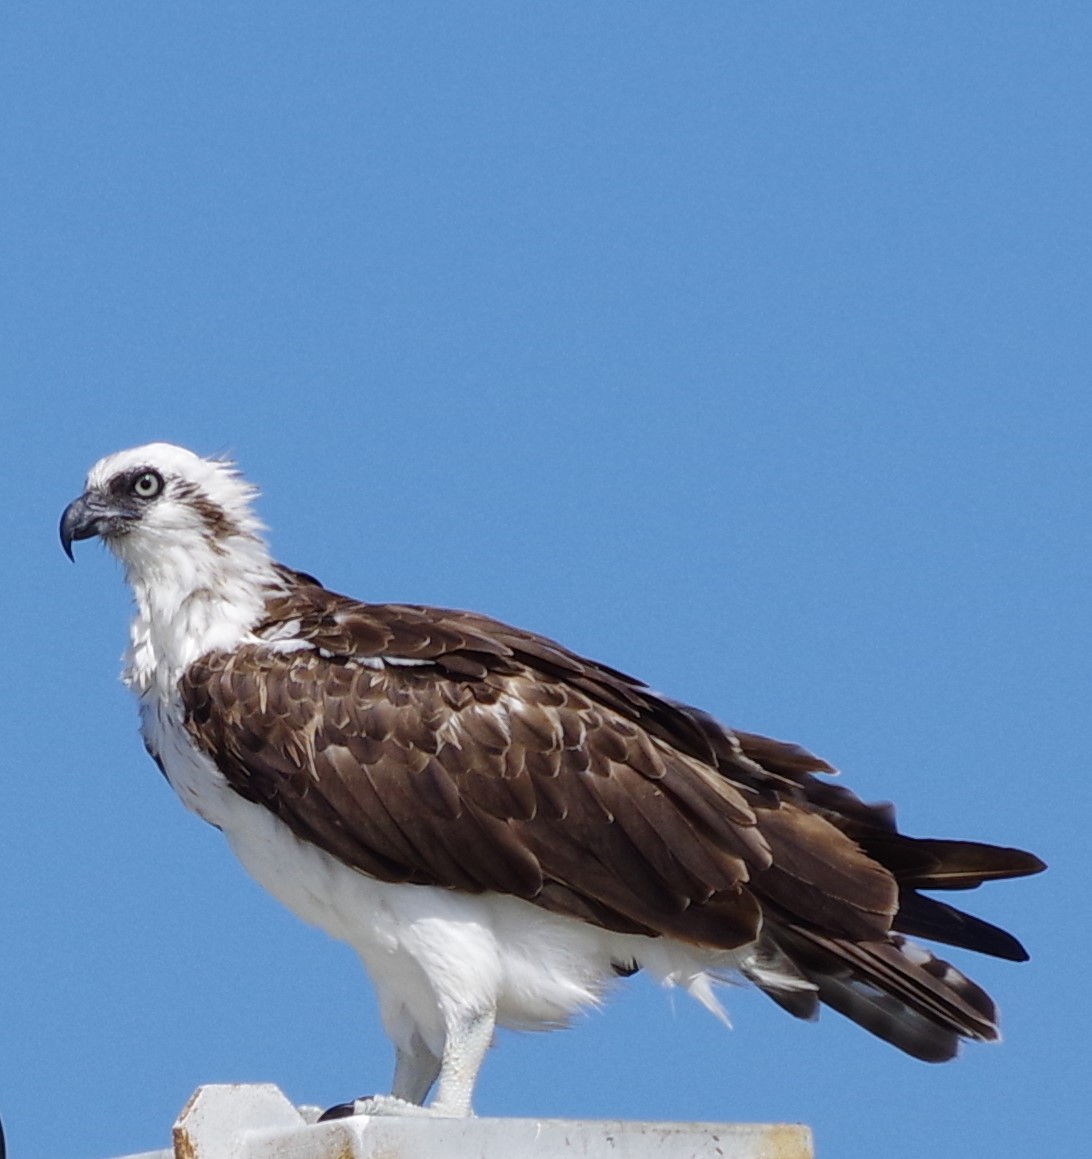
x: 426, y: 948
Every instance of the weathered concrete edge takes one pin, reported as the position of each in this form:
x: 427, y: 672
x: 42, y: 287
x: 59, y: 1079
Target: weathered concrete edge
x: 363, y: 1138
x: 257, y: 1121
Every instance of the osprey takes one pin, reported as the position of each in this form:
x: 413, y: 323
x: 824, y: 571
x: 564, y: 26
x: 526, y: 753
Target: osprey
x: 499, y: 827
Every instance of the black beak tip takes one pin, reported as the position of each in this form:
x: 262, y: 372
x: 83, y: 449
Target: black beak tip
x: 66, y: 540
x: 74, y: 525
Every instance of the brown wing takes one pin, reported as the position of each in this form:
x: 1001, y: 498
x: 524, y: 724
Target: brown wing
x: 444, y: 748
x: 439, y: 747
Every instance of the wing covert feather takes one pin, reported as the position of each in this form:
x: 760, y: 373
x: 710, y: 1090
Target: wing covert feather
x: 393, y: 771
x: 445, y: 748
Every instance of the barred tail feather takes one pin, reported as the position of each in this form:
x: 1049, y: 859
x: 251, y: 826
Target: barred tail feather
x: 895, y: 989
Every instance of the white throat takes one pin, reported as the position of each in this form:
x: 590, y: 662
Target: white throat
x: 193, y: 595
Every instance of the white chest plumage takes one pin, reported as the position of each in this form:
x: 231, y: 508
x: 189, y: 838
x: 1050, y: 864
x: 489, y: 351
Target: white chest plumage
x: 428, y: 950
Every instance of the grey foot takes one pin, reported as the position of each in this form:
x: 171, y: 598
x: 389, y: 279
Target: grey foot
x: 384, y: 1105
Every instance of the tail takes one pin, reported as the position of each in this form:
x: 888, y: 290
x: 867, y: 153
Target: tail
x: 895, y: 989
x: 890, y: 985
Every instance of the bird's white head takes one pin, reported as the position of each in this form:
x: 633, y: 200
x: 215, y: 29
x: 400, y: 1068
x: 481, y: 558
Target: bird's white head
x: 185, y: 530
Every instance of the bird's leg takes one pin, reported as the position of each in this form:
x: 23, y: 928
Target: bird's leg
x: 415, y: 1070
x: 464, y: 1051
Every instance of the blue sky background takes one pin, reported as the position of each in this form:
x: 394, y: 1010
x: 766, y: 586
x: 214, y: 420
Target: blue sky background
x: 742, y: 346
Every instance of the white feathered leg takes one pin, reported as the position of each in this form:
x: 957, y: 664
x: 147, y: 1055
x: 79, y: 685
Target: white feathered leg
x: 415, y: 1071
x: 464, y: 1052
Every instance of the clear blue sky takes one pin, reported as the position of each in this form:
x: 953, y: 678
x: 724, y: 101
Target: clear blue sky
x: 742, y: 346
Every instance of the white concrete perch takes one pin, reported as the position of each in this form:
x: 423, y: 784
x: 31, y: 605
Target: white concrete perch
x: 258, y: 1122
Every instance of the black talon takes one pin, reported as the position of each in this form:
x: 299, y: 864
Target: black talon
x: 341, y: 1111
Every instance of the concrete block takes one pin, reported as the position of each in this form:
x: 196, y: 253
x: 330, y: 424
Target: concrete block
x: 258, y: 1122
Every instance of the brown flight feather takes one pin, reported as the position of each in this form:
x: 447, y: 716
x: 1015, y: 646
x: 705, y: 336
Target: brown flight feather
x: 444, y: 748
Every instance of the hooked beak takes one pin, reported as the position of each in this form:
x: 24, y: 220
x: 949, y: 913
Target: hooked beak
x: 87, y: 516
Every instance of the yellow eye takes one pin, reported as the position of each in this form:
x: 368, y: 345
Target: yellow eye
x: 147, y: 485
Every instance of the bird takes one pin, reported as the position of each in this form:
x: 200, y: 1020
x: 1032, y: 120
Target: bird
x: 501, y: 828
